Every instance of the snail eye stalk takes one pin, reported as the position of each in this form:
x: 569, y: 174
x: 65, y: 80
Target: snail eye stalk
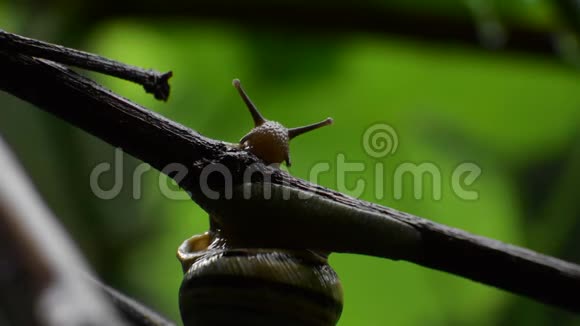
x: 269, y: 140
x: 258, y: 118
x: 293, y: 132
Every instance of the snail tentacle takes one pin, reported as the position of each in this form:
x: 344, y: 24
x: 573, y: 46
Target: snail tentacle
x: 269, y: 140
x: 256, y: 115
x: 293, y: 132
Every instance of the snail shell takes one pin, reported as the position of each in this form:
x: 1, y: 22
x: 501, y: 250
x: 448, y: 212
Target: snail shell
x: 224, y: 285
x: 231, y: 284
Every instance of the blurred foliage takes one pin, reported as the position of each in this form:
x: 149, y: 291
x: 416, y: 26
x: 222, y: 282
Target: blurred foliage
x: 510, y: 114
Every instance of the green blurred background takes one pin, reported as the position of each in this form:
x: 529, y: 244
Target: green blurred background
x: 513, y: 113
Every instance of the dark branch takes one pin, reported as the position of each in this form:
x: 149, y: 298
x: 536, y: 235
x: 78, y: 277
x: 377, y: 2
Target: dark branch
x: 341, y: 18
x: 153, y: 81
x: 52, y: 267
x: 159, y: 142
x: 48, y: 263
x: 134, y: 312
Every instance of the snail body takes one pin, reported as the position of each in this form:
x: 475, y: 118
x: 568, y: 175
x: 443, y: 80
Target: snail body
x: 229, y: 282
x: 269, y: 140
x: 226, y: 285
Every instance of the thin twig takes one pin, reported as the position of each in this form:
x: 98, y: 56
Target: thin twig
x: 52, y: 266
x: 134, y: 312
x: 358, y: 226
x: 153, y: 81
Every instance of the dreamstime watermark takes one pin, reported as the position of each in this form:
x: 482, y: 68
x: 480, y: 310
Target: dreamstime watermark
x: 379, y: 141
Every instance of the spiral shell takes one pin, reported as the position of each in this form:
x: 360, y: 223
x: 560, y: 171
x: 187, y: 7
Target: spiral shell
x: 224, y: 285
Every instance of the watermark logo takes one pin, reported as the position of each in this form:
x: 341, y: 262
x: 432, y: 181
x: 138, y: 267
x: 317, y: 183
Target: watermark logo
x: 379, y: 141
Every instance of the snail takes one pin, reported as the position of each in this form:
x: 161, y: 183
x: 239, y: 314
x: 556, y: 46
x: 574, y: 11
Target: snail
x: 227, y: 285
x: 227, y: 282
x: 269, y: 140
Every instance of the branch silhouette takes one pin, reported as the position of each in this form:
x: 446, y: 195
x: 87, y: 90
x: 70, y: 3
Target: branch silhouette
x: 313, y: 217
x: 152, y: 81
x: 53, y: 284
x: 343, y: 18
